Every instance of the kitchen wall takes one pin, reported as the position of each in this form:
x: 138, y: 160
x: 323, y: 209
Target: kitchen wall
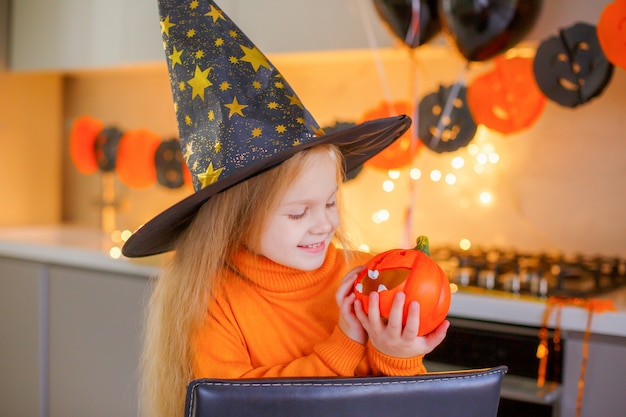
x: 559, y: 185
x: 31, y: 151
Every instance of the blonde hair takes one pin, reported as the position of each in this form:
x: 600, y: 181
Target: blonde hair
x: 179, y: 300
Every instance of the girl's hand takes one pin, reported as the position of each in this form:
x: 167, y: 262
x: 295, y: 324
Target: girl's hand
x: 348, y: 321
x: 391, y: 338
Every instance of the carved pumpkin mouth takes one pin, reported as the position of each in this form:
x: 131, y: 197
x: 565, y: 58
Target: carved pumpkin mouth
x: 379, y: 281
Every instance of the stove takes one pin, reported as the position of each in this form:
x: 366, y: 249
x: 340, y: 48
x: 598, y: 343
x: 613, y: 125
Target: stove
x: 540, y: 275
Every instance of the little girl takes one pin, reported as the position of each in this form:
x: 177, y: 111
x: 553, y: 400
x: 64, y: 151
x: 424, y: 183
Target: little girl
x: 260, y: 283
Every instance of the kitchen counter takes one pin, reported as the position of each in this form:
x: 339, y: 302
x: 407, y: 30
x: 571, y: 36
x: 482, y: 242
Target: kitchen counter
x: 71, y: 246
x: 90, y: 249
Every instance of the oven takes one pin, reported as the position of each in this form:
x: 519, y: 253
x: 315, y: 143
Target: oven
x: 481, y: 344
x: 532, y: 386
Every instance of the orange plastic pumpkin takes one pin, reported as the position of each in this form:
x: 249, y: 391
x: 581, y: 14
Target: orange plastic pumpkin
x: 612, y: 32
x: 507, y: 98
x: 415, y: 273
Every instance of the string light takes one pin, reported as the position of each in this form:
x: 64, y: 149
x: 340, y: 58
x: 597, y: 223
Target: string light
x: 457, y: 162
x: 485, y: 197
x: 465, y: 244
x: 435, y: 175
x: 388, y: 186
x: 415, y: 173
x: 380, y: 216
x: 394, y: 174
x: 451, y: 179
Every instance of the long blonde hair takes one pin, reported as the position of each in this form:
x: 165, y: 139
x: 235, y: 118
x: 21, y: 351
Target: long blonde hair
x: 180, y: 295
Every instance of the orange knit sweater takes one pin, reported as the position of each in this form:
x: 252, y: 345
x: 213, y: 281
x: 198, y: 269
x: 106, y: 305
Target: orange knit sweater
x: 282, y: 322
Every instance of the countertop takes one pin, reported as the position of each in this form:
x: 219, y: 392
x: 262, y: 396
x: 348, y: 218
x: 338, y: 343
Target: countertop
x: 84, y: 248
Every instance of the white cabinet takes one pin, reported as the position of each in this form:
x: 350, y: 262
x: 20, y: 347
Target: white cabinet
x: 80, y: 34
x: 20, y: 339
x: 70, y: 340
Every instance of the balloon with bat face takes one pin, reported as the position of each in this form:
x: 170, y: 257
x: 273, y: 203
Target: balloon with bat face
x: 414, y: 22
x: 482, y: 29
x: 135, y: 165
x: 445, y: 122
x: 571, y: 68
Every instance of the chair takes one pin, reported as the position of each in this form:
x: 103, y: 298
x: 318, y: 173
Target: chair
x: 470, y: 393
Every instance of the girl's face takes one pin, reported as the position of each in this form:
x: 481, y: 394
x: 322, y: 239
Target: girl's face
x: 299, y: 230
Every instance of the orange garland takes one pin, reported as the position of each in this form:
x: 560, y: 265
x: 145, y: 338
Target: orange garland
x: 556, y: 303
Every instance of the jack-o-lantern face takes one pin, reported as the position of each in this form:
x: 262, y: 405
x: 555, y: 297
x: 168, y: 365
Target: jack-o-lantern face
x: 445, y: 122
x: 168, y: 160
x: 571, y: 69
x: 105, y: 148
x: 506, y: 99
x: 410, y: 271
x: 612, y: 32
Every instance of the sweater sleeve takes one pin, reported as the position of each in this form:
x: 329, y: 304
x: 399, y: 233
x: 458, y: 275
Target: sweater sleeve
x: 382, y: 364
x: 221, y: 351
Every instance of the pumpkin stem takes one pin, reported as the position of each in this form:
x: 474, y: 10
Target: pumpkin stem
x: 422, y: 244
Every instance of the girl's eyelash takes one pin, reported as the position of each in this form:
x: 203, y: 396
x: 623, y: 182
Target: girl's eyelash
x: 296, y: 216
x: 333, y: 204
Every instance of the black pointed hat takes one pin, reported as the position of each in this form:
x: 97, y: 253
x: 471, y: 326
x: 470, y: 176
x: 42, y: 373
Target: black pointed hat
x: 237, y: 116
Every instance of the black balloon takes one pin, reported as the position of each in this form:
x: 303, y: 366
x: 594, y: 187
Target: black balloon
x: 414, y: 22
x: 571, y: 68
x: 482, y: 29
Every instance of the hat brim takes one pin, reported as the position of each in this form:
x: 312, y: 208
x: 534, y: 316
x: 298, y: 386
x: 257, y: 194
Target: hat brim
x: 357, y: 144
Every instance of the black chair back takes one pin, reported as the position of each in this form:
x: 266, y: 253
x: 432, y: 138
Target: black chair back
x: 471, y: 393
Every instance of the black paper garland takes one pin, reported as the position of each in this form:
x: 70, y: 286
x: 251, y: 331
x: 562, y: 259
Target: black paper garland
x: 168, y: 160
x: 105, y: 148
x: 445, y: 121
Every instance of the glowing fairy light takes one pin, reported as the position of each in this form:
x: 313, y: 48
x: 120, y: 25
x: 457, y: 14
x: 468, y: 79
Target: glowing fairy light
x: 482, y: 158
x: 485, y: 197
x: 126, y: 234
x: 388, y: 186
x: 465, y: 244
x: 364, y: 248
x: 394, y: 174
x: 380, y: 216
x: 479, y: 169
x: 472, y: 149
x: 435, y: 175
x: 115, y: 252
x: 450, y: 179
x: 494, y: 158
x: 415, y: 174
x: 457, y: 162
x: 488, y: 148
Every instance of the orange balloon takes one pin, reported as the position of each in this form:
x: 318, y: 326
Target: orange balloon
x: 507, y: 98
x: 400, y: 153
x: 83, y: 136
x: 135, y: 158
x: 611, y: 30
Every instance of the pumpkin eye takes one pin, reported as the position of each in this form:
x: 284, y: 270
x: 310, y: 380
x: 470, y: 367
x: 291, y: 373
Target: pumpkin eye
x: 384, y: 280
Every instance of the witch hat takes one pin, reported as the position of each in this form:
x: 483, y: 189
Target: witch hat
x: 237, y: 116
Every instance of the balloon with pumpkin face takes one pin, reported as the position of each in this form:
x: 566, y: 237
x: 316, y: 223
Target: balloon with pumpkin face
x: 413, y: 272
x: 571, y: 68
